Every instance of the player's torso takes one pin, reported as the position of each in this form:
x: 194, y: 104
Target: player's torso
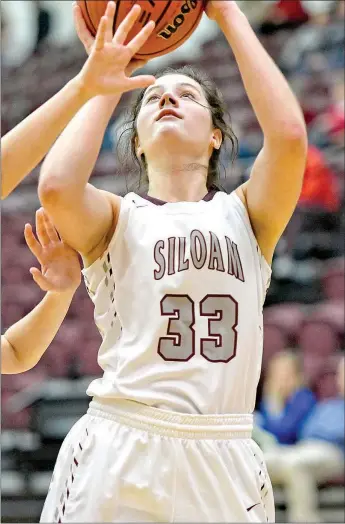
x: 179, y: 307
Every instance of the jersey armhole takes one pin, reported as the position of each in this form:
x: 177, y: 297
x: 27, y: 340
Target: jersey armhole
x: 244, y: 213
x: 122, y: 222
x: 121, y: 225
x: 266, y: 269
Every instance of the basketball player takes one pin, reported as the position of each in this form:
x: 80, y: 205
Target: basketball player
x: 21, y: 150
x: 178, y: 278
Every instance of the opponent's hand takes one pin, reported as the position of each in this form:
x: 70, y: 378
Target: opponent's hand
x: 60, y: 267
x: 109, y: 66
x: 218, y: 9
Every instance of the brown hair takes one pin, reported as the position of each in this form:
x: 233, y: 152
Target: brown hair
x: 218, y: 111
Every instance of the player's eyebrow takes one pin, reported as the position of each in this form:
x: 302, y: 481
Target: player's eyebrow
x: 180, y: 84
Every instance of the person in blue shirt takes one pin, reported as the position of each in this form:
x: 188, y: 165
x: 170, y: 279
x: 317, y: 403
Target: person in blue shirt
x: 317, y: 457
x: 286, y: 402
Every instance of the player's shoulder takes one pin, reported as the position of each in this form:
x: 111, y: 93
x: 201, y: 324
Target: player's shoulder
x: 228, y: 200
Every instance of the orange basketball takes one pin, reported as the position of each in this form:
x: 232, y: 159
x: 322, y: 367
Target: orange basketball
x: 175, y: 21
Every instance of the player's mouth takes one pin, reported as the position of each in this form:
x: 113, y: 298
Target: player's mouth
x: 168, y: 113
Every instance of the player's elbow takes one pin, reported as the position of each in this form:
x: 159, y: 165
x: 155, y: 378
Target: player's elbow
x: 297, y: 133
x: 50, y: 189
x: 13, y: 361
x: 294, y: 134
x: 290, y: 141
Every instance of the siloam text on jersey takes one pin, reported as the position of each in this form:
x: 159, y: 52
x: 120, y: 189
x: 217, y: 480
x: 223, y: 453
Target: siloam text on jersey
x: 172, y: 255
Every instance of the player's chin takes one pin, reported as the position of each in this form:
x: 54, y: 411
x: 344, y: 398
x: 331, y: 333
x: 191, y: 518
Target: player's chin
x: 169, y: 131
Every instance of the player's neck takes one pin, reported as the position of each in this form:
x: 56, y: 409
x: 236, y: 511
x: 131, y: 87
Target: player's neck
x: 183, y: 183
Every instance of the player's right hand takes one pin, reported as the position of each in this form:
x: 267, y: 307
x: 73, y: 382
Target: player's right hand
x: 109, y: 66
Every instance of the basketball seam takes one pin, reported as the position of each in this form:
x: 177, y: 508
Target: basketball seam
x: 163, y: 12
x: 117, y: 9
x: 185, y: 37
x: 89, y: 17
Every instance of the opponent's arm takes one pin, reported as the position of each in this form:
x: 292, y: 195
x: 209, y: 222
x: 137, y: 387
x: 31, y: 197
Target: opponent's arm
x: 25, y: 342
x: 82, y: 214
x: 24, y: 146
x: 272, y: 192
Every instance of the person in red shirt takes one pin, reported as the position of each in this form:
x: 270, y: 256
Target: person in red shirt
x: 284, y: 14
x: 320, y: 186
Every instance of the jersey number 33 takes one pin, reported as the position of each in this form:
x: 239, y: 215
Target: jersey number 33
x: 180, y: 342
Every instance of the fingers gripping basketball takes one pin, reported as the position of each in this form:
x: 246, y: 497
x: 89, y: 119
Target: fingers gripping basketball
x: 175, y: 21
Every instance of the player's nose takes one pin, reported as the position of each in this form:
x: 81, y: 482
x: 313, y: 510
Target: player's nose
x: 168, y: 99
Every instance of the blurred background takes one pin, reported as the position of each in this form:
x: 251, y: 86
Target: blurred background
x: 301, y: 393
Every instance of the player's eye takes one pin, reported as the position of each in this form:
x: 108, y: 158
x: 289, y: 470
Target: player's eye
x: 187, y: 94
x: 152, y: 97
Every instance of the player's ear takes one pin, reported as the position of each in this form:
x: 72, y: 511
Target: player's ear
x: 217, y: 138
x: 138, y: 149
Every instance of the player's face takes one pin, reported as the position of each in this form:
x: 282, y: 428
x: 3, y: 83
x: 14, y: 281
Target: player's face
x: 175, y: 117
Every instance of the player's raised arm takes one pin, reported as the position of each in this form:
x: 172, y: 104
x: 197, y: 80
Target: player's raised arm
x: 274, y: 187
x: 82, y: 214
x: 27, y: 144
x: 24, y: 343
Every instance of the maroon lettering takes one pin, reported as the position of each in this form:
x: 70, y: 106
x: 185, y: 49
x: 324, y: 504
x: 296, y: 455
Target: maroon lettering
x: 183, y: 264
x: 234, y: 260
x: 171, y: 255
x: 216, y: 258
x: 159, y: 259
x: 198, y: 259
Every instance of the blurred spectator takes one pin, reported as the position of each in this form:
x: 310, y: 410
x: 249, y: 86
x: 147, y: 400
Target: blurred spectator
x: 62, y: 32
x: 321, y: 194
x: 286, y: 402
x: 284, y: 14
x: 320, y: 187
x: 317, y: 457
x: 315, y: 36
x: 21, y: 35
x: 30, y: 23
x: 329, y: 126
x: 44, y: 24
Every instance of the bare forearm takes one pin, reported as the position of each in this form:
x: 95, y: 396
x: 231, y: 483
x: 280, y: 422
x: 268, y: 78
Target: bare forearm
x: 69, y: 164
x: 25, y: 342
x: 274, y: 103
x: 25, y: 145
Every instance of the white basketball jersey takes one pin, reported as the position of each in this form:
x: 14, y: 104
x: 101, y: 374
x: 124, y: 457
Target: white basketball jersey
x: 178, y: 300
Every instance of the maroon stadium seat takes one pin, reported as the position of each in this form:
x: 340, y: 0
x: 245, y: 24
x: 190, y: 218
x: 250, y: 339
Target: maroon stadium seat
x: 10, y: 419
x: 332, y: 312
x: 88, y: 358
x: 288, y: 317
x: 333, y: 279
x: 318, y: 338
x: 274, y: 340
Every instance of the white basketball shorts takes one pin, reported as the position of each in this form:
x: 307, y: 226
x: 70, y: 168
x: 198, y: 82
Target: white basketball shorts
x: 126, y: 462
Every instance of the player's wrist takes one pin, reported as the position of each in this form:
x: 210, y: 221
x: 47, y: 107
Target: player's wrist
x: 82, y: 90
x: 86, y: 93
x: 229, y: 16
x: 66, y: 294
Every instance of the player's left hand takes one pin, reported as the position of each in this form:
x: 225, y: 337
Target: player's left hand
x: 88, y: 41
x: 218, y: 9
x: 60, y: 267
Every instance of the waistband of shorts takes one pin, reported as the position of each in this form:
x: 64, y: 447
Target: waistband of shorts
x: 169, y: 423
